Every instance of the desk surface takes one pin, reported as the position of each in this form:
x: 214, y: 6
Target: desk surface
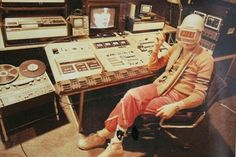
x: 2, y: 50
x: 169, y: 29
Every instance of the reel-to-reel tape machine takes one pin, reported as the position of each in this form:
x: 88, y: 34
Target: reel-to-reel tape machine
x: 22, y: 83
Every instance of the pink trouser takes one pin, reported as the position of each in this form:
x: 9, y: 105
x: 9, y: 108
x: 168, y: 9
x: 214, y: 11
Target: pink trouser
x: 137, y: 101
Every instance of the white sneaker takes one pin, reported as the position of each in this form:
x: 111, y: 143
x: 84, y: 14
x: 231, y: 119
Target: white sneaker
x: 92, y: 141
x: 113, y: 150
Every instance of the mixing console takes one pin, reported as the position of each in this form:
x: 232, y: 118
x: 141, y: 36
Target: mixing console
x: 93, y: 63
x: 144, y: 42
x: 119, y: 53
x: 96, y: 81
x: 118, y: 59
x: 72, y: 60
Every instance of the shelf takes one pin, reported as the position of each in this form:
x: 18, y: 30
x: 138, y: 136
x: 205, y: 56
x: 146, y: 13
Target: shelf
x: 6, y: 9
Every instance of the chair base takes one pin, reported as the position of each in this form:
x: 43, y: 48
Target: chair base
x: 172, y: 139
x: 162, y: 133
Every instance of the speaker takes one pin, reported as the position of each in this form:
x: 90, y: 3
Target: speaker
x: 131, y: 12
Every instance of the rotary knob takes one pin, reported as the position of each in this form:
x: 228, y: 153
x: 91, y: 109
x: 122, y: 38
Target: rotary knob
x: 7, y: 86
x: 38, y: 78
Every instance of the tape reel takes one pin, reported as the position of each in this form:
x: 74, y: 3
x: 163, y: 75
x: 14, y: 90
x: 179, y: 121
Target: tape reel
x: 32, y: 68
x: 8, y: 73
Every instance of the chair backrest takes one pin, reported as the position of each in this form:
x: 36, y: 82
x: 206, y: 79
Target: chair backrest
x: 186, y: 118
x: 189, y: 118
x: 216, y: 86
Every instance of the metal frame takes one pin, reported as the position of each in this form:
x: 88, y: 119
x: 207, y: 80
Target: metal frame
x: 201, y: 117
x: 162, y: 125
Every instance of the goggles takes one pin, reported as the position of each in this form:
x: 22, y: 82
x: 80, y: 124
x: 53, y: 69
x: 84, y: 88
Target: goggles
x: 187, y: 36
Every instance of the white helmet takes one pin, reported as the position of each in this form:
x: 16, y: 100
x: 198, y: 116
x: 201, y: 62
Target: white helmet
x: 190, y: 29
x: 193, y: 21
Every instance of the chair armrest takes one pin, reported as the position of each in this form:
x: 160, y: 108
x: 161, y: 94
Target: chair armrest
x: 190, y: 118
x: 199, y: 119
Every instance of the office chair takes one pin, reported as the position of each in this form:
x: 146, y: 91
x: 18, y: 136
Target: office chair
x: 184, y: 119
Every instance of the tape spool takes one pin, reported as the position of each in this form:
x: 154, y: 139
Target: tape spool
x: 32, y: 68
x: 8, y: 73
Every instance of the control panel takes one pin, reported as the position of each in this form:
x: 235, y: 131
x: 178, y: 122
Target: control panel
x: 72, y: 60
x: 91, y: 63
x: 25, y: 88
x: 95, y: 81
x: 219, y: 28
x: 117, y: 54
x: 144, y: 42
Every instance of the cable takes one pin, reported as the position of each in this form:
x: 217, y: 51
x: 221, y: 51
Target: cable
x: 57, y: 40
x: 77, y: 12
x: 22, y: 148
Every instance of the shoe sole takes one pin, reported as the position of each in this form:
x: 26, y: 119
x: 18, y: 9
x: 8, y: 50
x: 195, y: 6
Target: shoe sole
x: 98, y: 146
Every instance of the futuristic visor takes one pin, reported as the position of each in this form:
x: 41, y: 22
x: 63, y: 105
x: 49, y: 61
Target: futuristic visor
x: 189, y: 36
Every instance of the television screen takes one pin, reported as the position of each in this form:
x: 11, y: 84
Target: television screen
x: 102, y: 17
x: 78, y: 22
x: 213, y: 22
x: 145, y: 9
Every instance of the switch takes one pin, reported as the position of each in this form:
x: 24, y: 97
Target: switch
x: 55, y: 51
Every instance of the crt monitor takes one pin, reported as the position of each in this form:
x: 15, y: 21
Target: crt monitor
x: 145, y: 9
x: 77, y: 22
x: 102, y: 17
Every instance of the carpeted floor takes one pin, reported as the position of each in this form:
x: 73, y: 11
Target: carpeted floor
x: 213, y: 137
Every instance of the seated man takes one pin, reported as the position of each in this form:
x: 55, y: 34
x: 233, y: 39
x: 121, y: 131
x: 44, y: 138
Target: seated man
x: 183, y: 85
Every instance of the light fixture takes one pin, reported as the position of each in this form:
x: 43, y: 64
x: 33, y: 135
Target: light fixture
x: 177, y: 2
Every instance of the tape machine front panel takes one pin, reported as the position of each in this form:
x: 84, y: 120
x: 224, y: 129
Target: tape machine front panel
x: 25, y: 82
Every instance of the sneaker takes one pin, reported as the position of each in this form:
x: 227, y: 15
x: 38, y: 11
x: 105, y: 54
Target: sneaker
x: 113, y: 150
x: 91, y: 141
